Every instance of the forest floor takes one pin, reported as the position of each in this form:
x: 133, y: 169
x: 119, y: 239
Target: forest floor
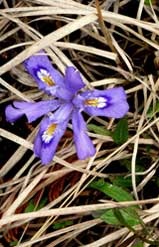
x: 110, y: 199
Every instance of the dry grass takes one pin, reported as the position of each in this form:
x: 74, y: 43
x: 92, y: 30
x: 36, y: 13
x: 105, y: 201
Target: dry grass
x: 109, y: 48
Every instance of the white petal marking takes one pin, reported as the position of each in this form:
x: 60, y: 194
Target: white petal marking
x: 45, y: 76
x: 48, y: 134
x: 99, y: 102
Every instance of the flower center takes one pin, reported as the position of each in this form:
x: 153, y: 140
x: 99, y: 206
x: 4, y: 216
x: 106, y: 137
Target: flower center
x: 48, y: 133
x: 45, y: 76
x: 99, y: 102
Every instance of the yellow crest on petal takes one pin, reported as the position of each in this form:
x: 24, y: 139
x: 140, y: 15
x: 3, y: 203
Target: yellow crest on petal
x: 99, y: 102
x: 49, y: 133
x: 45, y: 77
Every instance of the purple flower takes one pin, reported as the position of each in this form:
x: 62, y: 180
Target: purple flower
x: 67, y: 103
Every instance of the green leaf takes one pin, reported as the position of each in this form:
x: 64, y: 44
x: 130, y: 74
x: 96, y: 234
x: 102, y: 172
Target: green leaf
x: 138, y: 244
x: 42, y: 203
x: 127, y: 219
x: 121, y: 181
x: 147, y: 2
x: 115, y: 192
x: 13, y: 243
x: 109, y: 217
x: 62, y: 224
x: 126, y: 216
x: 120, y: 134
x: 100, y: 130
x: 150, y: 2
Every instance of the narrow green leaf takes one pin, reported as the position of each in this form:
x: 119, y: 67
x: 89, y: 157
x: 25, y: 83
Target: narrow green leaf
x: 109, y: 217
x: 100, y: 130
x: 120, y: 134
x: 42, y: 203
x: 115, y: 192
x: 148, y: 2
x: 121, y: 181
x: 13, y: 243
x: 128, y: 219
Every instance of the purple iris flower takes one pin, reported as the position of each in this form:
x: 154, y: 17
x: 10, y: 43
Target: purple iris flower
x: 67, y: 103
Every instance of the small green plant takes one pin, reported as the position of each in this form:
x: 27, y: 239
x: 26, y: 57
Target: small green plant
x: 128, y: 217
x: 118, y: 194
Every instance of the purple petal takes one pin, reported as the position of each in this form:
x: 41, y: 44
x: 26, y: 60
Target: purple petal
x: 63, y: 113
x: 37, y: 145
x: 73, y: 80
x: 12, y: 114
x: 47, y: 139
x: 72, y: 83
x: 83, y: 143
x: 108, y: 103
x: 46, y: 76
x: 30, y: 109
x: 64, y: 94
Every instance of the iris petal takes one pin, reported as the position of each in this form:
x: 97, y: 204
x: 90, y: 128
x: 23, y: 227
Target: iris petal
x: 46, y: 76
x: 108, y: 103
x: 83, y: 143
x: 63, y: 113
x: 12, y: 114
x: 64, y: 94
x: 30, y: 109
x: 43, y: 149
x: 73, y: 80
